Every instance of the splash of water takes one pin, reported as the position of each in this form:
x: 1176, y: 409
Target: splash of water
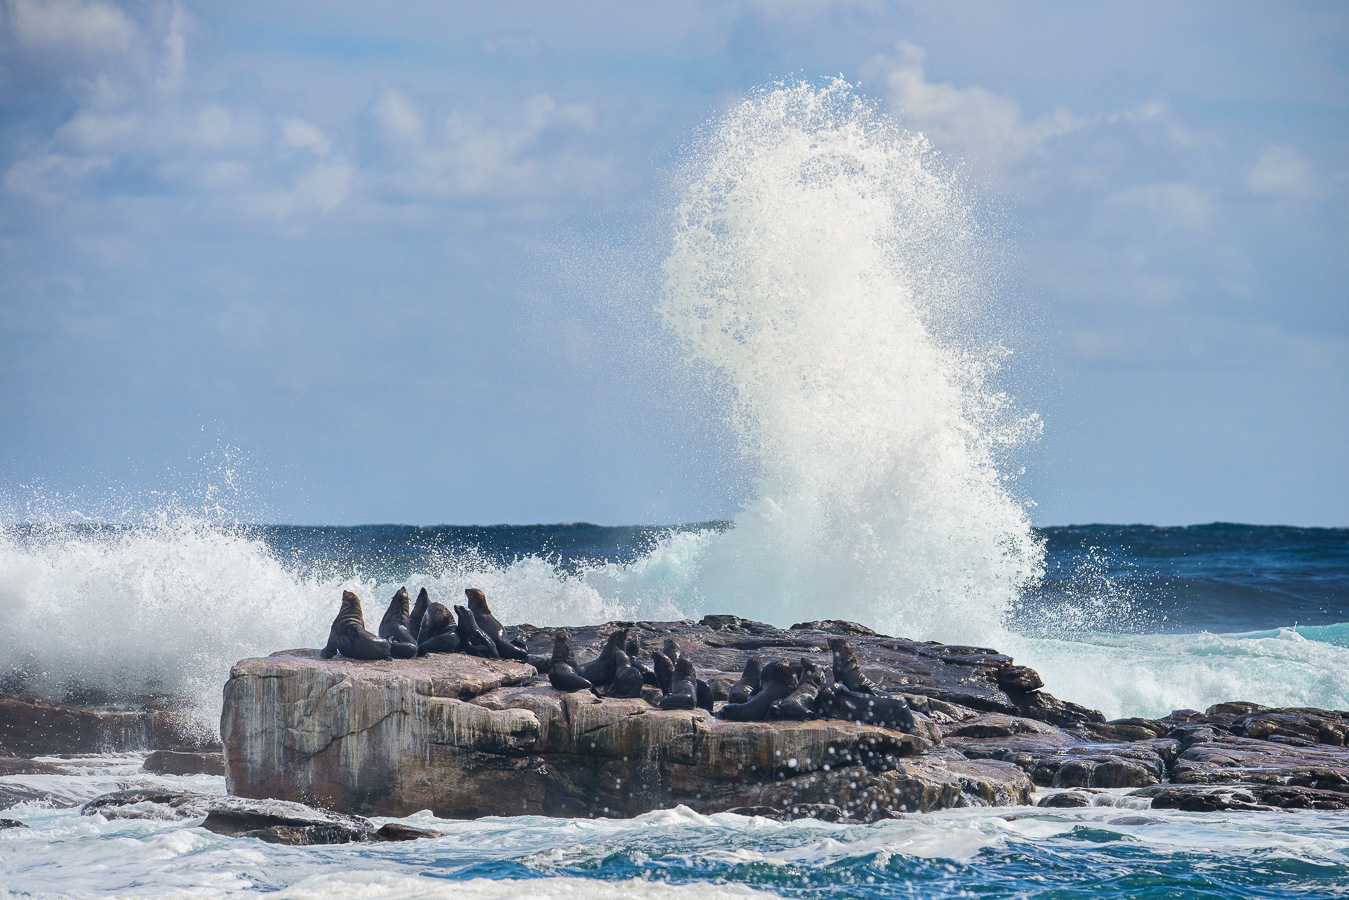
x: 821, y: 267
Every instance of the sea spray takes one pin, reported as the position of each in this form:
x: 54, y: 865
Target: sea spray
x: 819, y: 258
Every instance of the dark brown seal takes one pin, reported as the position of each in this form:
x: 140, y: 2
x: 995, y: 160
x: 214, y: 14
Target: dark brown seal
x: 349, y: 637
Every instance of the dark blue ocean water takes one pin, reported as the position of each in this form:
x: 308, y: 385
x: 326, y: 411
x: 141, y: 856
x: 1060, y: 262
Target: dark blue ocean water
x: 1220, y: 577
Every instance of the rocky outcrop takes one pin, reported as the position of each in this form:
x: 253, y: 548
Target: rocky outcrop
x: 467, y: 737
x: 30, y: 726
x: 273, y: 821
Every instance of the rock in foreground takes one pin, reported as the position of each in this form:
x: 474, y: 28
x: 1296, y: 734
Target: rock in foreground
x: 467, y: 737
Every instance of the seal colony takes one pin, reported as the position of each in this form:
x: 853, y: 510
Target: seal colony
x: 767, y: 690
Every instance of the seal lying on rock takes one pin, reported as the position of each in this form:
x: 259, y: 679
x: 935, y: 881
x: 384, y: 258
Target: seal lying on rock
x: 838, y: 702
x: 776, y: 683
x: 349, y: 637
x: 684, y: 689
x: 562, y: 672
x: 602, y: 669
x: 634, y: 651
x: 801, y: 703
x: 437, y: 633
x: 394, y: 626
x: 472, y: 639
x: 418, y: 610
x: 477, y: 604
x: 627, y: 680
x: 748, y: 684
x: 848, y: 670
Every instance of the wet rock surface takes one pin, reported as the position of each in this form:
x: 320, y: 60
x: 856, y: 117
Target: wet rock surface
x: 467, y: 737
x: 30, y: 726
x: 273, y: 821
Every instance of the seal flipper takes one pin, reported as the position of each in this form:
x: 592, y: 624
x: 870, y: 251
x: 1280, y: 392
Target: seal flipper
x: 395, y: 624
x: 488, y: 624
x: 848, y: 670
x: 445, y: 642
x: 684, y: 688
x: 402, y: 649
x: 350, y: 637
x: 777, y: 683
x: 748, y: 684
x: 472, y: 640
x: 801, y: 703
x: 562, y: 674
x: 601, y: 670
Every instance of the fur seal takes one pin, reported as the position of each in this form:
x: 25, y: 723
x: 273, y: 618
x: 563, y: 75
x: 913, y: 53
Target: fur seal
x: 748, y: 684
x: 601, y: 670
x: 671, y: 649
x: 349, y: 637
x: 848, y: 670
x: 704, y: 691
x: 394, y: 626
x: 634, y: 651
x: 684, y: 689
x: 562, y: 673
x: 627, y: 680
x: 472, y: 639
x: 477, y: 604
x: 437, y: 634
x: 840, y: 702
x: 418, y: 610
x: 801, y: 703
x: 776, y: 683
x: 664, y: 670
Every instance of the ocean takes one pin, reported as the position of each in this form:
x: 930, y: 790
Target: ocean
x: 829, y: 276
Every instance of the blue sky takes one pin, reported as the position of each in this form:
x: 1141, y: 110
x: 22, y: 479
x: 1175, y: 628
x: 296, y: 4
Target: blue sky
x: 403, y: 259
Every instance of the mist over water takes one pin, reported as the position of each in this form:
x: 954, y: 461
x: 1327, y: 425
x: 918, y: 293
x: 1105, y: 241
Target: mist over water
x: 824, y: 273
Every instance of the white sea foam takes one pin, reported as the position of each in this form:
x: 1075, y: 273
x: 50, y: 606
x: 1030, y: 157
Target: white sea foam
x: 822, y: 266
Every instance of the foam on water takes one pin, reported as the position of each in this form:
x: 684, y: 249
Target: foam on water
x: 1104, y: 851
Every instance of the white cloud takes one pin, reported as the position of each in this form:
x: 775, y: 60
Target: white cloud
x: 1174, y: 207
x: 477, y: 157
x: 173, y: 64
x: 92, y: 25
x: 1280, y: 171
x: 88, y: 129
x: 399, y: 121
x: 974, y: 122
x: 50, y: 175
x: 300, y: 135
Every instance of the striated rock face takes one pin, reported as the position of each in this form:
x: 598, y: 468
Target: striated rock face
x: 467, y: 737
x: 30, y: 726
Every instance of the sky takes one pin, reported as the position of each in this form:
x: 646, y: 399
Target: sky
x: 340, y: 263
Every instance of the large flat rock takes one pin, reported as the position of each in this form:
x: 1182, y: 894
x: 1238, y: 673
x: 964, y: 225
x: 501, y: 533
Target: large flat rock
x: 467, y: 737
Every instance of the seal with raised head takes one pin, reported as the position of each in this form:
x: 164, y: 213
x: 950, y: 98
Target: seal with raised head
x: 671, y: 649
x: 482, y: 614
x: 801, y: 703
x: 349, y: 637
x: 562, y: 672
x: 394, y: 627
x: 776, y: 683
x: 601, y: 670
x: 627, y: 681
x: 664, y: 670
x: 684, y: 688
x: 418, y: 610
x: 748, y: 684
x: 437, y: 634
x: 848, y: 670
x: 472, y: 639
